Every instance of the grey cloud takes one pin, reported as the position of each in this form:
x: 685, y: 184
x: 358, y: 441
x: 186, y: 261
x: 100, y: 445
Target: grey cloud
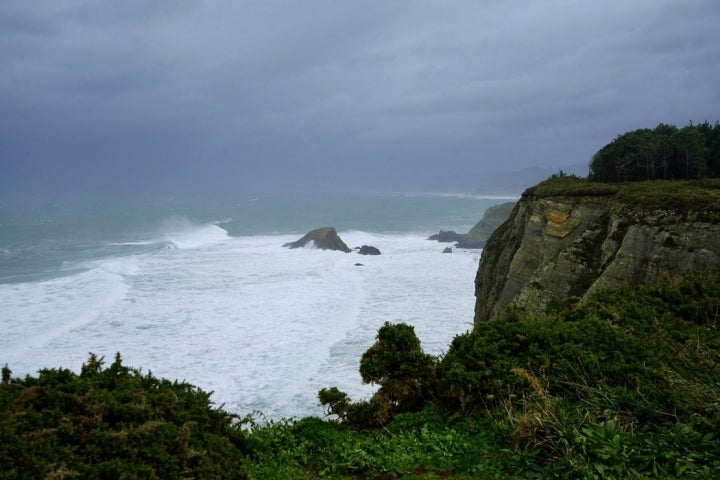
x: 285, y: 92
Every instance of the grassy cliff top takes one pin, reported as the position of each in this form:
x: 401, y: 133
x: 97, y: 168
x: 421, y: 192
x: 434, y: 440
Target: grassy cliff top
x: 684, y: 195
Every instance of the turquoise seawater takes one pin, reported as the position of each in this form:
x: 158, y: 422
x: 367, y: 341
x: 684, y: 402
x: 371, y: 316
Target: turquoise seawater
x: 43, y: 238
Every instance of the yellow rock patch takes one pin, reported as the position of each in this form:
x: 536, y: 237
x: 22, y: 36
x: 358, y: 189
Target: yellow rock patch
x: 558, y: 224
x: 555, y: 216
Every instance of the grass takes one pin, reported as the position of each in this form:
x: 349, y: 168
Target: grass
x: 680, y: 195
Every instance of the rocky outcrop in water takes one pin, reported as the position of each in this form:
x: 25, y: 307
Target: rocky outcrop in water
x: 447, y: 236
x: 559, y: 246
x: 368, y: 250
x: 477, y: 236
x: 325, y: 238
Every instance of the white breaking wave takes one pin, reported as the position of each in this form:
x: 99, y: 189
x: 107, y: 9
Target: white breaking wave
x: 182, y: 233
x: 198, y: 236
x: 134, y: 244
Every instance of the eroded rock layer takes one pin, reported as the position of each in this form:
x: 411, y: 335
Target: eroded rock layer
x: 557, y: 247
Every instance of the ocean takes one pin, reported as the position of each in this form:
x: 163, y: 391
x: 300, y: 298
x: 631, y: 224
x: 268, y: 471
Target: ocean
x: 200, y: 289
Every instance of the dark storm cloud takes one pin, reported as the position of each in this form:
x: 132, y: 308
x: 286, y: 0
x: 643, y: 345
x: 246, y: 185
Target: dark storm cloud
x: 276, y: 94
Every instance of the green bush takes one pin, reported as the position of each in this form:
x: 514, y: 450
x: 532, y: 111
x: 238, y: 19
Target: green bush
x: 621, y: 386
x: 653, y: 344
x: 113, y: 422
x: 397, y: 363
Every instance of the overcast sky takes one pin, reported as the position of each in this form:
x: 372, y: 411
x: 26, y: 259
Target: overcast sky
x: 232, y: 94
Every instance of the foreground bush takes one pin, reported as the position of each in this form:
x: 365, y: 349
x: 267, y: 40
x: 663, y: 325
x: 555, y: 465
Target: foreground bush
x: 113, y: 422
x: 625, y: 385
x: 396, y: 363
x: 653, y: 351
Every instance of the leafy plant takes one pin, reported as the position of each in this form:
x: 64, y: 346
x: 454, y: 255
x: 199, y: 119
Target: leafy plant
x: 397, y: 363
x: 113, y: 422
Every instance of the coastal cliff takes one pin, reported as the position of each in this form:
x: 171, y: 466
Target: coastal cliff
x: 567, y: 239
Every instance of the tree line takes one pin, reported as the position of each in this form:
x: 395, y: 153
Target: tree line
x: 665, y: 152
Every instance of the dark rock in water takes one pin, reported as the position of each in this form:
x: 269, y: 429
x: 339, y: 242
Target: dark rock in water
x: 470, y: 243
x: 477, y: 236
x: 446, y: 236
x: 359, y: 265
x: 368, y: 250
x: 447, y: 250
x: 325, y: 238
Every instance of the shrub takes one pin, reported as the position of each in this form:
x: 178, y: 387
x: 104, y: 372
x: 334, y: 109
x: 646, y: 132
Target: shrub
x: 397, y: 363
x: 113, y: 422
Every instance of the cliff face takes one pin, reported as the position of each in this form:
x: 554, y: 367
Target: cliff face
x: 556, y: 247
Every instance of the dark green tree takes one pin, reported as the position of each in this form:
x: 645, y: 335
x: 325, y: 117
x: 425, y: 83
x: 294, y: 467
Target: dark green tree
x: 398, y: 364
x: 713, y: 143
x: 629, y: 157
x: 663, y: 153
x: 691, y: 153
x: 665, y: 149
x: 336, y: 402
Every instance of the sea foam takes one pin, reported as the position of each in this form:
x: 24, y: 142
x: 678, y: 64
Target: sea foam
x: 263, y: 327
x: 37, y: 313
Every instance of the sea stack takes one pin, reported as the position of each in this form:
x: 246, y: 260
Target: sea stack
x: 325, y: 238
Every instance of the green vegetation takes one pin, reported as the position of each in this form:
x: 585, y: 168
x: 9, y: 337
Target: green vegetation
x: 666, y: 152
x: 113, y: 422
x: 572, y: 186
x: 701, y: 195
x: 667, y: 167
x: 649, y: 354
x: 404, y: 372
x: 411, y: 445
x: 682, y: 195
x: 623, y: 386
